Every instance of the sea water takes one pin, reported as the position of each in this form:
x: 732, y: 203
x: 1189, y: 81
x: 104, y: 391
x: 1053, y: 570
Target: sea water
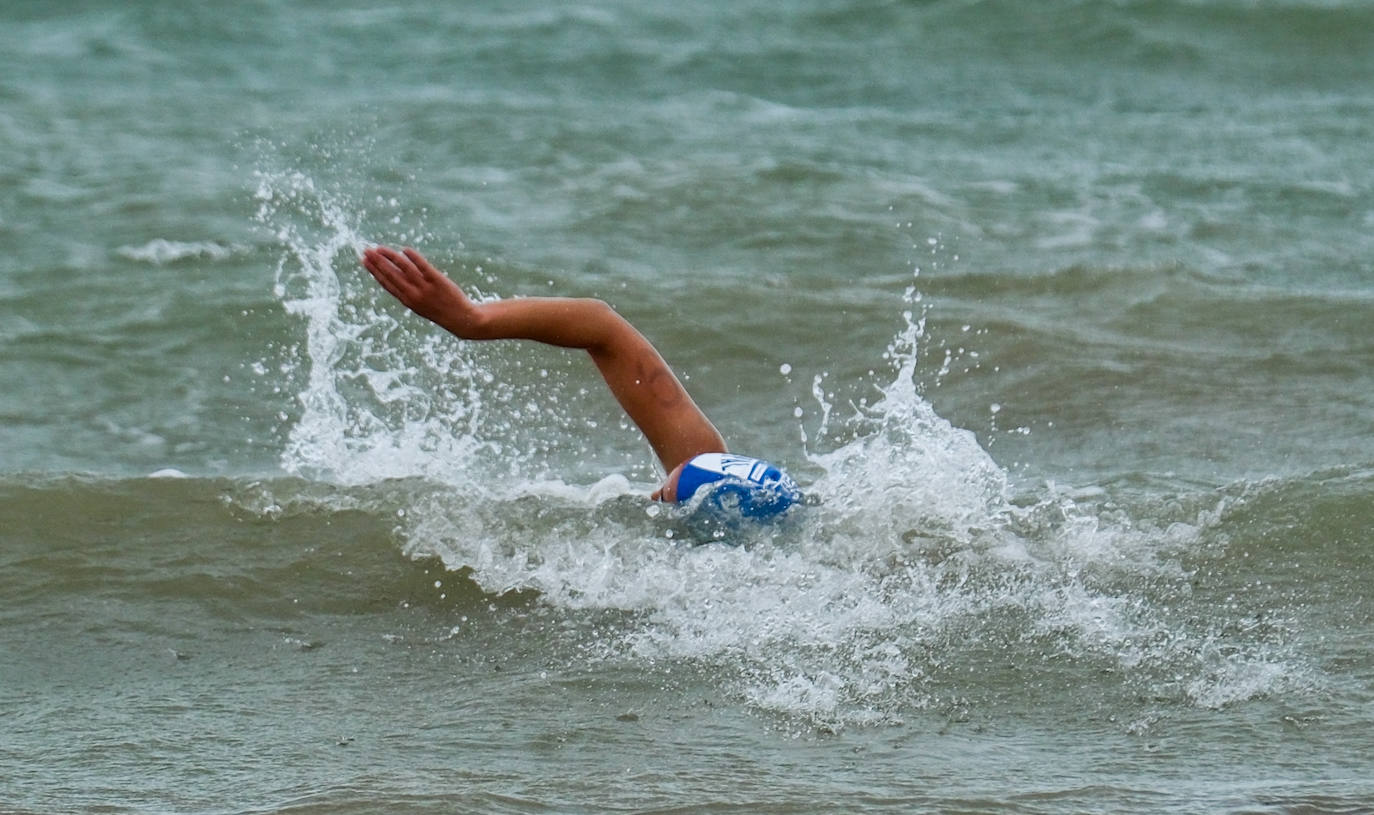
x: 1059, y: 312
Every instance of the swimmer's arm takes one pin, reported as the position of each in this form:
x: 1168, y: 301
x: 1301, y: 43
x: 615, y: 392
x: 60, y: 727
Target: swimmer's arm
x: 638, y: 377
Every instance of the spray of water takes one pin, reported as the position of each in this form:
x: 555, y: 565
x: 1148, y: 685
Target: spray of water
x: 380, y: 400
x: 912, y: 564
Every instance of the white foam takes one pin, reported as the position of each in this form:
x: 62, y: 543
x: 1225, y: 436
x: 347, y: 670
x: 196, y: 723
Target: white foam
x: 913, y: 534
x: 161, y: 251
x: 1227, y: 679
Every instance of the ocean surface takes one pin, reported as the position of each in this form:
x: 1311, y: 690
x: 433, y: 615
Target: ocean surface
x: 1062, y: 313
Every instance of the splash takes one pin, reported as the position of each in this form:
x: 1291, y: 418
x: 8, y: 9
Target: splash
x: 913, y: 566
x: 384, y: 394
x: 906, y: 464
x: 378, y: 401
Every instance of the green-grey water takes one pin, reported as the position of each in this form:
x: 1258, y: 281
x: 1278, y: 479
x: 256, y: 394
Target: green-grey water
x: 1058, y: 311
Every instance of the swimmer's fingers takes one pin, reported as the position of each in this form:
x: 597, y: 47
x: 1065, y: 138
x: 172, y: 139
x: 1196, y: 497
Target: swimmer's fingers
x: 413, y: 270
x: 381, y: 264
x: 422, y: 265
x: 373, y: 267
x: 369, y: 263
x: 398, y: 265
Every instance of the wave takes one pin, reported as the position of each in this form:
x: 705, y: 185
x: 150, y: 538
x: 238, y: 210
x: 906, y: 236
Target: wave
x: 1283, y: 38
x: 1170, y: 308
x: 161, y: 251
x: 918, y: 578
x: 1123, y: 282
x: 854, y: 615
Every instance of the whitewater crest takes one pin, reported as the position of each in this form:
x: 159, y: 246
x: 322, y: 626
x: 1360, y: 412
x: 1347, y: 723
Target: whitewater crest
x: 911, y: 566
x: 161, y: 252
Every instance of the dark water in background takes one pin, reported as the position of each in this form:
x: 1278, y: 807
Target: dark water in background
x: 1059, y: 310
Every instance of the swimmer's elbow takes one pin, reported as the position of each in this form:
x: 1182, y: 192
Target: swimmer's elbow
x: 605, y: 316
x: 608, y: 331
x: 598, y: 310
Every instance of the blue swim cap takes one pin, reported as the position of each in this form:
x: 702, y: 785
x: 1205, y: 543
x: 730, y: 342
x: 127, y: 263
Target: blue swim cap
x: 749, y: 486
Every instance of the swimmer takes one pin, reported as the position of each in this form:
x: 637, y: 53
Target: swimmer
x: 692, y: 451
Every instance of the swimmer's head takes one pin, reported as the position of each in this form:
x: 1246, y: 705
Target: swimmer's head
x: 749, y: 486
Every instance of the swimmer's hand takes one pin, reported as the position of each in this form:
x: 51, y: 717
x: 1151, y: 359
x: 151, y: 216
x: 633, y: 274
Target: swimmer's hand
x: 423, y: 289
